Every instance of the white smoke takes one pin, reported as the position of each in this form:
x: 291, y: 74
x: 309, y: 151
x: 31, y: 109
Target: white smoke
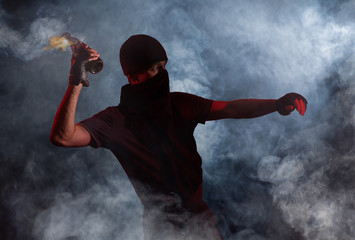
x: 220, y: 50
x: 30, y: 46
x: 301, y: 185
x: 98, y: 213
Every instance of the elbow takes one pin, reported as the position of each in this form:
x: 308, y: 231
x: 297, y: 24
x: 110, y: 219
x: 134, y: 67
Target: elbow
x: 56, y: 140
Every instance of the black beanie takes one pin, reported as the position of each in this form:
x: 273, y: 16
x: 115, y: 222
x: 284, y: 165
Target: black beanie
x: 139, y: 52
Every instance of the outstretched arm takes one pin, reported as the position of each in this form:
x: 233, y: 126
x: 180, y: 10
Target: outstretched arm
x: 252, y: 108
x: 64, y: 131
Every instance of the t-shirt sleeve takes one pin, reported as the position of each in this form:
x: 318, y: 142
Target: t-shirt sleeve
x: 99, y: 126
x: 192, y: 107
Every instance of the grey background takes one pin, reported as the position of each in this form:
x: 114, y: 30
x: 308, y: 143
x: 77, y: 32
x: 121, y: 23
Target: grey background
x: 272, y: 177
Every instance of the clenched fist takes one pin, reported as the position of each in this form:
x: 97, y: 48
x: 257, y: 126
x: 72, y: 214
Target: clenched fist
x: 291, y: 101
x: 82, y: 54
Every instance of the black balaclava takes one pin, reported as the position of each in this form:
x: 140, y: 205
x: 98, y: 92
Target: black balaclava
x: 147, y: 106
x: 146, y: 103
x: 151, y: 116
x: 150, y: 99
x: 139, y: 52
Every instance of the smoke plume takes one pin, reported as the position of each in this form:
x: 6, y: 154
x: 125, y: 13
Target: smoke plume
x: 272, y: 177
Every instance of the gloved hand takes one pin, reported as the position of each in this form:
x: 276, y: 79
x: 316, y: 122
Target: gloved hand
x: 286, y: 104
x: 82, y: 54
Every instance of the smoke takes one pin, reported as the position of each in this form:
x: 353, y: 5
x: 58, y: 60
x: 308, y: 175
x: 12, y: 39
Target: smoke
x: 28, y: 47
x: 272, y: 177
x: 92, y: 214
x: 312, y: 187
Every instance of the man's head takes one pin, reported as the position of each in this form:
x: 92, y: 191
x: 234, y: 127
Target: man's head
x: 142, y: 57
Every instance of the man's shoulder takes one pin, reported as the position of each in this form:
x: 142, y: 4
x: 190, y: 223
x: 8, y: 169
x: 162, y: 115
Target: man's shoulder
x: 110, y: 110
x: 182, y: 100
x: 191, y: 106
x: 109, y: 113
x: 180, y: 96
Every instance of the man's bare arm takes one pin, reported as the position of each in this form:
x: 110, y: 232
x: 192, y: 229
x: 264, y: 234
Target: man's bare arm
x: 64, y: 131
x: 252, y: 108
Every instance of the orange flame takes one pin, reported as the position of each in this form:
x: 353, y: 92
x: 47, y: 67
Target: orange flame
x: 57, y: 42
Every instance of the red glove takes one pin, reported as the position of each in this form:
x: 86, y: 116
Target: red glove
x: 82, y: 54
x: 286, y: 104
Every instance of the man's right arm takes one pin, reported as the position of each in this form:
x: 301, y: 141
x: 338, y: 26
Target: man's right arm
x: 64, y: 131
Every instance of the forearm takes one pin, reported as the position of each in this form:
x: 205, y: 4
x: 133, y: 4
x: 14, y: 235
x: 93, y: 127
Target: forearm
x: 250, y: 108
x: 64, y: 121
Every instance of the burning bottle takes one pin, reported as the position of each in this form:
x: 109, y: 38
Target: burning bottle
x: 66, y: 40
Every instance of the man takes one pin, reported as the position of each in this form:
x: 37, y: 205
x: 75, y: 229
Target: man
x: 151, y: 134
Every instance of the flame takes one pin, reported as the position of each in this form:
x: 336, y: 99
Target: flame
x: 58, y: 42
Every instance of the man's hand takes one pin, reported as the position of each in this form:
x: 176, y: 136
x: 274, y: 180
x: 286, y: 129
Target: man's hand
x: 82, y: 54
x: 291, y: 101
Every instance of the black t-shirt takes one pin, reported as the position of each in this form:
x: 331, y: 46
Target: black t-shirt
x: 170, y: 164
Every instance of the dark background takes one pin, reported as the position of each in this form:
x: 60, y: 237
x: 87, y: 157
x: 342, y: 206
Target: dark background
x: 272, y: 177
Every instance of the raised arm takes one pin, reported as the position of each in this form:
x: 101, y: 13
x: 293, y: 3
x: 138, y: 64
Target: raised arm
x: 64, y: 131
x: 252, y: 108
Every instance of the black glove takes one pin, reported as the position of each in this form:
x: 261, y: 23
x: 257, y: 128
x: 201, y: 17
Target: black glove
x: 286, y: 104
x: 78, y: 72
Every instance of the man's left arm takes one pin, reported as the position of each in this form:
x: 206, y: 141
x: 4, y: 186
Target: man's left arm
x: 252, y: 108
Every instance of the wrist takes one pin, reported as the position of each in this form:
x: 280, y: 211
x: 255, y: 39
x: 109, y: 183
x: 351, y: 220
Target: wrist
x: 274, y: 105
x: 75, y: 87
x: 76, y: 81
x: 78, y: 74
